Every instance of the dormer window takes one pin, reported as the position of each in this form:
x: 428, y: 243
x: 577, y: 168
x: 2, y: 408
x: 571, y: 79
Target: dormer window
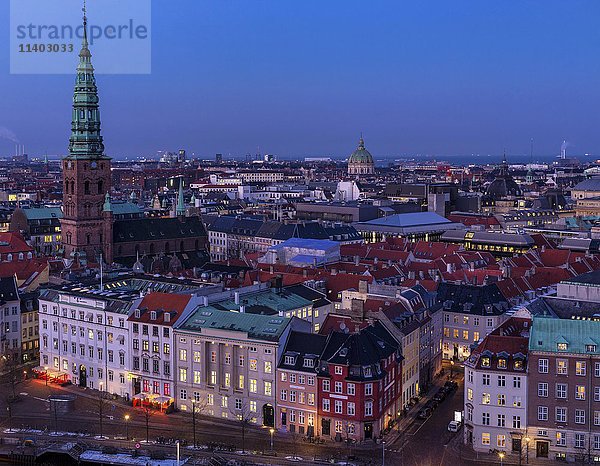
x: 501, y: 363
x: 309, y: 362
x: 518, y: 365
x: 368, y: 372
x: 590, y: 348
x: 137, y: 313
x: 167, y: 317
x: 485, y: 362
x: 289, y: 360
x: 562, y: 346
x: 338, y: 370
x: 152, y: 315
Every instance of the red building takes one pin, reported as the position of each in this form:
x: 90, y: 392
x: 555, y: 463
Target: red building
x: 359, y: 382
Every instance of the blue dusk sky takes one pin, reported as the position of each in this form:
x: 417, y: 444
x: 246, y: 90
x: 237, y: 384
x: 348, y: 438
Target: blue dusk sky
x: 304, y: 78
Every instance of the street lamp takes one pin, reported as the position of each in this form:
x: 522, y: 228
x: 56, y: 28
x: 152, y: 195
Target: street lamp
x: 451, y: 368
x: 46, y: 369
x: 127, y: 427
x: 501, y: 455
x: 271, y: 431
x: 383, y: 453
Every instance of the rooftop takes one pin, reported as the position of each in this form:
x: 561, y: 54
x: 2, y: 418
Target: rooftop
x: 565, y: 336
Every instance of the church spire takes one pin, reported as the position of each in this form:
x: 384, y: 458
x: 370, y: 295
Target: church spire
x: 180, y: 211
x: 86, y: 141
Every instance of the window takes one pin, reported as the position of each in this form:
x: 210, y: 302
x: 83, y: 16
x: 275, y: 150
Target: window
x: 283, y: 395
x: 501, y: 363
x: 253, y: 365
x: 369, y: 408
x: 338, y: 406
x: 213, y: 377
x: 486, y: 379
x: 485, y: 362
x: 517, y: 401
x: 562, y: 346
x: 289, y: 360
x: 485, y: 438
x: 561, y: 439
x: 268, y: 387
x: 350, y: 388
x: 197, y: 356
x: 580, y: 392
x: 596, y: 442
x: 579, y: 440
x: 501, y: 440
x: 368, y: 389
x: 182, y: 355
x: 326, y: 404
x: 224, y: 402
x: 561, y: 390
x: 326, y: 385
x: 597, y: 418
x: 543, y: 366
x: 182, y: 374
x: 338, y: 370
x: 470, y: 376
x: 542, y: 413
x: 470, y: 394
x: 543, y: 389
x: 579, y: 416
x: 338, y: 387
x: 561, y: 414
x: 596, y: 393
x: 485, y: 419
x: 501, y: 420
x: 293, y: 396
x: 580, y: 367
x: 485, y: 399
x: 502, y: 381
x: 597, y: 369
x: 501, y: 399
x: 516, y: 422
x: 516, y: 382
x: 561, y: 366
x: 253, y: 385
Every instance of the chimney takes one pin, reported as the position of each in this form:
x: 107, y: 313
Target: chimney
x: 356, y: 260
x: 448, y: 267
x: 242, y: 309
x: 333, y: 271
x: 236, y: 296
x: 271, y: 271
x: 363, y: 286
x: 205, y: 301
x: 304, y: 273
x: 376, y: 261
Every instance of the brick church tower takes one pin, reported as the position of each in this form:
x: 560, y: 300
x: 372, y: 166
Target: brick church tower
x: 86, y: 172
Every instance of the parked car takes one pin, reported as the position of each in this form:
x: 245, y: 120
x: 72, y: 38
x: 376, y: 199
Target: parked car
x: 453, y: 426
x: 440, y: 395
x: 424, y: 413
x: 451, y: 384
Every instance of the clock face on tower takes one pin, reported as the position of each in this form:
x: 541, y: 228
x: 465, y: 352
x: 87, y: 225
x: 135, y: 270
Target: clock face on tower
x: 94, y: 165
x: 69, y: 165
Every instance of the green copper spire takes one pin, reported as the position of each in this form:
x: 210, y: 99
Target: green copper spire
x: 85, y: 141
x: 107, y: 205
x: 180, y: 205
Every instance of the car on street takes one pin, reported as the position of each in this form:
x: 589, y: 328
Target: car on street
x: 453, y: 426
x: 424, y: 413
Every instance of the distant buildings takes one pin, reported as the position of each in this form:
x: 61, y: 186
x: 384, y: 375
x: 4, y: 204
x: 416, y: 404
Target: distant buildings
x: 361, y: 161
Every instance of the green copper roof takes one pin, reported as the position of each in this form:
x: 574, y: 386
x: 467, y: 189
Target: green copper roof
x: 579, y: 336
x: 42, y: 213
x: 361, y: 155
x: 107, y: 207
x: 85, y: 141
x: 256, y: 326
x: 180, y: 205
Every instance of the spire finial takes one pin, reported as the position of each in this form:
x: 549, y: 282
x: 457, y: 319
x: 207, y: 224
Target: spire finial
x: 361, y: 141
x: 180, y: 210
x: 84, y: 43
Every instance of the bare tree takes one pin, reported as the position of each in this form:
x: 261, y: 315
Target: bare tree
x: 101, y: 409
x: 244, y: 416
x: 147, y: 412
x: 198, y: 407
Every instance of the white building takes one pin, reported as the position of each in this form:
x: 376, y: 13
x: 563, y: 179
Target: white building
x: 496, y: 389
x: 10, y: 319
x: 84, y: 336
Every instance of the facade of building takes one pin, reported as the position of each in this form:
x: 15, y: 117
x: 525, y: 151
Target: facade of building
x: 151, y: 347
x: 227, y: 363
x: 470, y: 313
x: 297, y: 392
x: 563, y: 406
x: 10, y: 319
x: 359, y: 383
x: 84, y: 336
x: 496, y: 390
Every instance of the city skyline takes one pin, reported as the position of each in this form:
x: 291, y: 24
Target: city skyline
x: 306, y: 81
